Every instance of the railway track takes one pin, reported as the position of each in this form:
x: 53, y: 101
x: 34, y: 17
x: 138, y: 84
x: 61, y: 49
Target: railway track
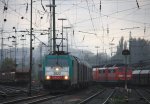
x: 101, y: 97
x: 144, y: 95
x: 68, y: 98
x: 11, y: 91
x: 147, y: 90
x: 3, y: 94
x: 119, y: 96
x: 94, y: 95
x: 33, y: 99
x: 21, y: 89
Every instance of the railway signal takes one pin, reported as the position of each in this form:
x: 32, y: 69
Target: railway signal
x: 126, y: 52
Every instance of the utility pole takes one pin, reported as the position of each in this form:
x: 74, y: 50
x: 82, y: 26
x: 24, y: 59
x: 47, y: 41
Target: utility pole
x: 10, y: 51
x: 106, y: 56
x: 130, y: 48
x: 41, y: 53
x: 67, y: 36
x: 50, y: 28
x: 50, y: 31
x: 30, y: 70
x: 15, y: 43
x: 23, y: 60
x: 2, y: 47
x: 97, y: 60
x: 111, y: 44
x: 62, y: 19
x: 54, y: 36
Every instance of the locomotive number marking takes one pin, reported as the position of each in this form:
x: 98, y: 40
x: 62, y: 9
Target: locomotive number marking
x: 56, y: 73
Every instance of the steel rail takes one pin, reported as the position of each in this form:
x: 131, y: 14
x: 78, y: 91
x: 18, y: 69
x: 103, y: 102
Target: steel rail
x: 146, y: 100
x: 147, y: 91
x: 89, y: 98
x: 3, y: 94
x: 44, y: 99
x: 22, y: 99
x: 106, y: 101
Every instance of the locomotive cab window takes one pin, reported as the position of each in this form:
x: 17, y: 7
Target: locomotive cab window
x: 120, y: 69
x: 100, y: 71
x: 112, y: 71
x: 54, y: 62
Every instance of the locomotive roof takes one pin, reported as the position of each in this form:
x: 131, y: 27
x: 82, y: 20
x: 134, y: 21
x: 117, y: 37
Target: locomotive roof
x: 102, y: 68
x: 119, y: 65
x: 77, y: 59
x: 136, y: 71
x: 145, y: 71
x: 98, y: 66
x: 109, y: 65
x: 141, y: 72
x: 59, y: 53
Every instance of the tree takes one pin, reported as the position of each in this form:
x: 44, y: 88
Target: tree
x: 8, y: 65
x: 140, y: 49
x: 118, y: 56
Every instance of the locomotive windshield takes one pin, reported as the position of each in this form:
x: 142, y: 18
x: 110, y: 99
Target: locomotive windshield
x: 55, y: 62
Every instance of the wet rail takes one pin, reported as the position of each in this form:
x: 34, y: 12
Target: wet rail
x: 91, y: 97
x: 142, y: 94
x: 32, y: 100
x: 107, y: 99
x: 90, y: 100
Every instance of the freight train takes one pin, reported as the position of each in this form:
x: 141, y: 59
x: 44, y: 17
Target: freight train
x: 64, y: 71
x: 141, y: 77
x: 14, y: 77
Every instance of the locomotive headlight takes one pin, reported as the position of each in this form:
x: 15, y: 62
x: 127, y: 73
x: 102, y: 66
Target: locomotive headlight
x: 48, y: 77
x: 66, y: 77
x: 57, y: 69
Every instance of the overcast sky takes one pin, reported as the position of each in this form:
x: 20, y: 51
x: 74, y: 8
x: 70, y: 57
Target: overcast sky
x: 94, y: 22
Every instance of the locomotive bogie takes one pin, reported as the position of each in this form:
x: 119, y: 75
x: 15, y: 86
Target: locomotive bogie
x: 56, y: 84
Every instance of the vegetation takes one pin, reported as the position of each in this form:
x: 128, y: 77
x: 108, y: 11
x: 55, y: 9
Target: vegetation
x: 139, y: 50
x: 8, y: 64
x: 139, y: 53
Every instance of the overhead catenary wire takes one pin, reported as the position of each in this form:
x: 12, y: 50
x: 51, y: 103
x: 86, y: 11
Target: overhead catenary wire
x: 90, y: 16
x: 110, y: 15
x: 137, y: 4
x: 19, y: 14
x: 93, y: 18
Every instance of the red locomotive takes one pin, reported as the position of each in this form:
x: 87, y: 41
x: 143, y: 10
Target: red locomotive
x: 112, y: 73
